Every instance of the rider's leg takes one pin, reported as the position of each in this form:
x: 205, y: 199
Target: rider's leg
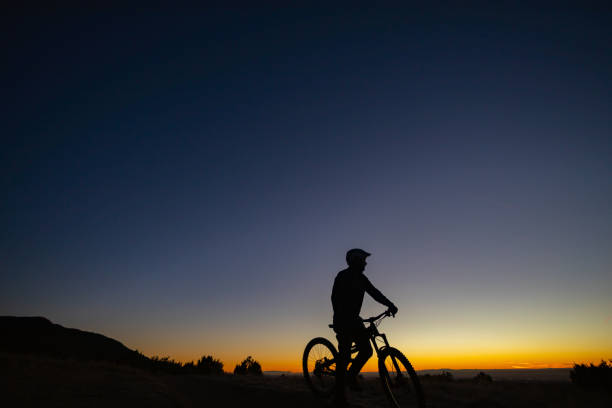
x: 344, y: 355
x: 365, y: 352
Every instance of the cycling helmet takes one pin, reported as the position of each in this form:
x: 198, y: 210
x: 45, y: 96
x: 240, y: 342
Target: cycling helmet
x: 354, y: 254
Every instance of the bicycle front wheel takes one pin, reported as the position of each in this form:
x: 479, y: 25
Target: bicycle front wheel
x: 319, y: 366
x: 399, y: 380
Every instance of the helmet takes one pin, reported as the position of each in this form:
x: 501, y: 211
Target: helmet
x: 354, y: 254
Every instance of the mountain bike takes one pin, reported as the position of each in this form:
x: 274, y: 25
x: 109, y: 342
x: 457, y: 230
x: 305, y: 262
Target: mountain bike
x: 399, y: 380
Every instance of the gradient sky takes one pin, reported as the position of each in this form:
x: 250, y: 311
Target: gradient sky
x: 188, y: 182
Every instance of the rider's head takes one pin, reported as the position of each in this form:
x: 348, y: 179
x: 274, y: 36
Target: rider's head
x: 356, y: 258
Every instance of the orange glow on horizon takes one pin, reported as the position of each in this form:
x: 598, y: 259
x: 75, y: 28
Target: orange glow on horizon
x: 454, y: 362
x: 465, y: 344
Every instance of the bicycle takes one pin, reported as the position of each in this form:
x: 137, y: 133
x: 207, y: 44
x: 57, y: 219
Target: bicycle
x: 399, y: 380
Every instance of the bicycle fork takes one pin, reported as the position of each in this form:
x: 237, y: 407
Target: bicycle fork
x: 378, y: 351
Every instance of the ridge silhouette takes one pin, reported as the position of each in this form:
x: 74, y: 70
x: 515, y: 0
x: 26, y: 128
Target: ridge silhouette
x: 39, y: 336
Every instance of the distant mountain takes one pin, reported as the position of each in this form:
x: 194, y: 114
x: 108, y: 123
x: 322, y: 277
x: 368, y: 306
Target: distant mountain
x: 37, y: 335
x: 278, y: 372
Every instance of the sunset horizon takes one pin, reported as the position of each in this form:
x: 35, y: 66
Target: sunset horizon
x: 422, y: 357
x: 420, y: 362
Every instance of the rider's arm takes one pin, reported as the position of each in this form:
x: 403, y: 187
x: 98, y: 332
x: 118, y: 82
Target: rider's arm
x: 376, y: 294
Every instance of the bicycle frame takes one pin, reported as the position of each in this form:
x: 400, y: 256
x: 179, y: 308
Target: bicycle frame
x: 374, y: 333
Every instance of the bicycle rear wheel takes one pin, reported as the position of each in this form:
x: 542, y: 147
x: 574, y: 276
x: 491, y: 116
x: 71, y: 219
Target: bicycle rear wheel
x: 399, y: 380
x: 319, y: 366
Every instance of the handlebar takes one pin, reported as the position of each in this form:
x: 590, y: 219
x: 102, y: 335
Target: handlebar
x: 386, y: 313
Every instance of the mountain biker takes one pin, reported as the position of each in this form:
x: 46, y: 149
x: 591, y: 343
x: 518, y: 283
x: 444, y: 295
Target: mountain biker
x: 347, y: 297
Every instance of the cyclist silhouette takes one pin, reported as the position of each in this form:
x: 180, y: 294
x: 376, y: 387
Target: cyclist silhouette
x: 347, y: 297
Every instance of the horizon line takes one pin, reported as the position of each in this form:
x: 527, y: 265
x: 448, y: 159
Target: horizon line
x: 443, y: 369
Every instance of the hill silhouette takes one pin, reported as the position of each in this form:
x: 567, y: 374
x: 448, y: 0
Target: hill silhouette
x: 39, y: 336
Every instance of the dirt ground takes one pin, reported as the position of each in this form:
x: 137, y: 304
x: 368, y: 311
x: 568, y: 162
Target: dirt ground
x: 37, y: 382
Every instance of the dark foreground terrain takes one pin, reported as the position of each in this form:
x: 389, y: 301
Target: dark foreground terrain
x: 43, y: 364
x: 30, y: 381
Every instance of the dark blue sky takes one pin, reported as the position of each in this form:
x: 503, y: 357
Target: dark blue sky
x: 210, y: 168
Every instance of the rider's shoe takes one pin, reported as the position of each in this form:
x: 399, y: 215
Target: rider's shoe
x: 354, y: 385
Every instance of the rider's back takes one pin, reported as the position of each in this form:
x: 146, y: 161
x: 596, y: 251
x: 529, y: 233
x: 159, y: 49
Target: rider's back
x: 347, y: 296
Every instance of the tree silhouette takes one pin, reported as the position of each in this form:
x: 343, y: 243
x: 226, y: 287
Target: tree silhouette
x: 209, y: 365
x: 248, y: 367
x: 596, y: 376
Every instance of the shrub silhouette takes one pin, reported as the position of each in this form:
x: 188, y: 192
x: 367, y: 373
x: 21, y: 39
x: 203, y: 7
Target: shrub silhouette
x: 209, y: 365
x: 165, y: 364
x: 483, y: 377
x: 205, y: 365
x: 593, y: 376
x: 445, y: 376
x: 248, y: 367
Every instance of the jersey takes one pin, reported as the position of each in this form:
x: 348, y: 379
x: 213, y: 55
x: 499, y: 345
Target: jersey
x: 347, y: 297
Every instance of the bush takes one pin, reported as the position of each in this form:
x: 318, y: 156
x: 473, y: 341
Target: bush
x: 483, y: 377
x: 165, y: 364
x: 445, y: 376
x: 209, y: 365
x: 205, y: 365
x: 593, y: 376
x: 248, y: 367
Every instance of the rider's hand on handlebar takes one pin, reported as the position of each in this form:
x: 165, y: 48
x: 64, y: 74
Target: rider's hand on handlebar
x: 392, y: 310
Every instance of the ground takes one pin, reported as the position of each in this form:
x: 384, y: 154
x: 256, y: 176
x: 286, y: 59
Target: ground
x: 35, y: 381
